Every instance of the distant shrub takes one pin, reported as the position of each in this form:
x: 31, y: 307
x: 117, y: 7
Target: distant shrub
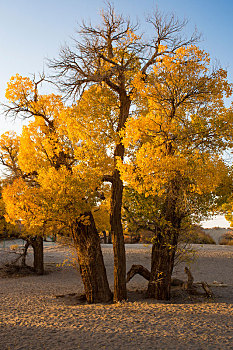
x: 201, y: 238
x: 196, y: 235
x: 132, y: 238
x: 226, y: 239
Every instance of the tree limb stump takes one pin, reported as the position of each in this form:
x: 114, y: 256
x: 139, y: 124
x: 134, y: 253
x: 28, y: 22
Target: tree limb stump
x: 189, y: 283
x: 192, y: 288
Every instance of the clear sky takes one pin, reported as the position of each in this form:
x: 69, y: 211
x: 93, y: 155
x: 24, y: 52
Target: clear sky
x: 32, y: 30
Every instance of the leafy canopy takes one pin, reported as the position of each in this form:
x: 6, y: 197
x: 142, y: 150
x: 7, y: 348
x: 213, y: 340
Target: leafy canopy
x: 179, y: 131
x: 60, y: 162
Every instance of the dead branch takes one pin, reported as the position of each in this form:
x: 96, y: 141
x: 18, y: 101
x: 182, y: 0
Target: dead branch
x: 189, y: 283
x: 207, y: 289
x: 94, y: 57
x: 144, y: 272
x: 188, y: 286
x: 21, y: 255
x: 140, y: 270
x: 192, y: 287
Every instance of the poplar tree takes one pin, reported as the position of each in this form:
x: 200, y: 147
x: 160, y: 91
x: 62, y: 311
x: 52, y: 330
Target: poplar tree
x: 110, y: 55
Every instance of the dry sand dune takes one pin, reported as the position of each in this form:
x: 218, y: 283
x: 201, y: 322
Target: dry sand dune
x: 31, y: 317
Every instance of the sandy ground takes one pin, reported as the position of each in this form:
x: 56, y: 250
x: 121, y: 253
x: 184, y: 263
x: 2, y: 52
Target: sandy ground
x: 32, y: 317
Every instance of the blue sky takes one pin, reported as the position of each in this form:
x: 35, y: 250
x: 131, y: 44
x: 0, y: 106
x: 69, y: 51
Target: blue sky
x: 32, y: 30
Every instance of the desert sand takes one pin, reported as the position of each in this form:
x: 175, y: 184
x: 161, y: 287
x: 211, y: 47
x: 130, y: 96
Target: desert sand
x: 33, y: 316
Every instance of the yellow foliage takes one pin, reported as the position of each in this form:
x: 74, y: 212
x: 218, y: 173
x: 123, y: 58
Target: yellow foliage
x: 180, y: 127
x: 19, y: 89
x: 60, y: 196
x: 67, y: 149
x: 9, y: 148
x: 101, y: 213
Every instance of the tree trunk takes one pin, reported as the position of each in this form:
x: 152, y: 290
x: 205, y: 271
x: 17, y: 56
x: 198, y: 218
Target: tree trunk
x: 120, y: 291
x: 109, y: 238
x: 162, y: 262
x: 25, y: 249
x: 37, y: 245
x: 165, y: 244
x: 91, y: 263
x: 105, y: 237
x: 140, y: 270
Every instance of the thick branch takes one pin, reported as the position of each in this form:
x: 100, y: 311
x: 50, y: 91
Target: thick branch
x: 207, y: 289
x: 140, y: 270
x: 107, y: 178
x: 144, y: 272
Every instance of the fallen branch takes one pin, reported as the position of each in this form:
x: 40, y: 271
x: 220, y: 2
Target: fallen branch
x: 189, y: 285
x: 144, y: 272
x: 207, y: 289
x: 138, y: 270
x: 192, y: 288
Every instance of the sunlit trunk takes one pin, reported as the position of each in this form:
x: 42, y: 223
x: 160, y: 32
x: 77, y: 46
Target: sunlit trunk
x: 90, y: 259
x: 120, y: 291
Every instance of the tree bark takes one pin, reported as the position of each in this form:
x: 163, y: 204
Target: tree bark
x: 91, y: 263
x: 162, y: 262
x: 144, y: 272
x: 37, y: 245
x: 25, y: 249
x: 165, y: 244
x: 109, y: 238
x: 105, y: 237
x: 120, y: 291
x: 140, y: 270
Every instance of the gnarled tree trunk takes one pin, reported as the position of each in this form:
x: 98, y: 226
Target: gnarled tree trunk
x: 165, y: 245
x: 120, y: 291
x: 90, y: 259
x: 38, y: 251
x: 162, y: 263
